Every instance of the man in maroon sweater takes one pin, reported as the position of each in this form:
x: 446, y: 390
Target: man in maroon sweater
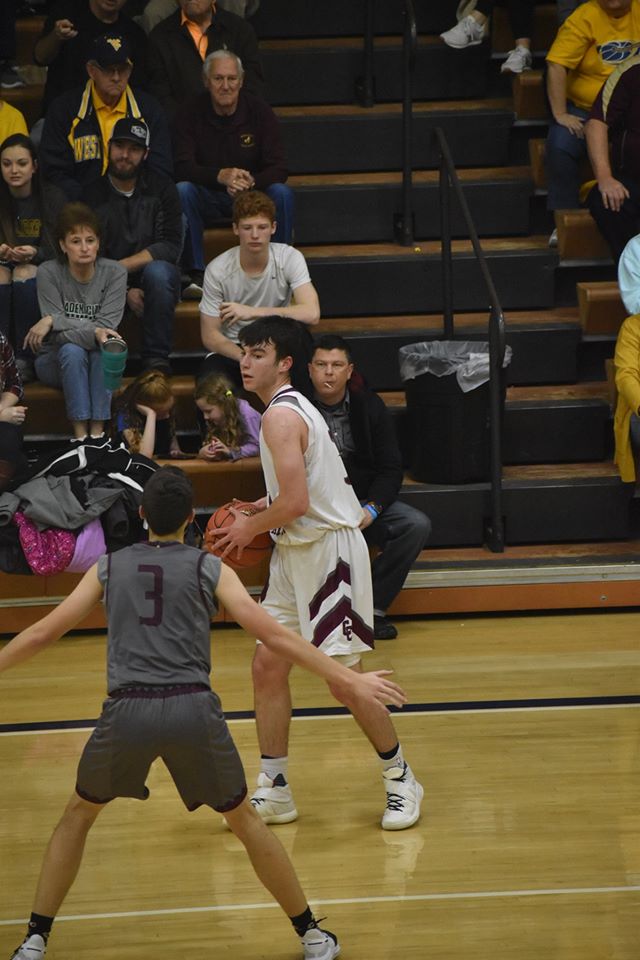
x: 226, y: 141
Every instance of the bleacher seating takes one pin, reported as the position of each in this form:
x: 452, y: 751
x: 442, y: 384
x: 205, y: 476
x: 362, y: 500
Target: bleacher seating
x: 345, y: 160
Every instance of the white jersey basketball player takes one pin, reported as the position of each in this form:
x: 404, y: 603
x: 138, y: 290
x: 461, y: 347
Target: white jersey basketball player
x: 319, y: 575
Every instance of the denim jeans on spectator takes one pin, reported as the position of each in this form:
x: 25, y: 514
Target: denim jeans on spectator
x: 563, y: 155
x: 79, y: 373
x: 401, y: 531
x: 204, y: 207
x: 18, y: 311
x: 160, y: 282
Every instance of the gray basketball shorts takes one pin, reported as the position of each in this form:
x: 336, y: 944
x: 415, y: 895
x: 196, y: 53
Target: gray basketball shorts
x: 187, y: 731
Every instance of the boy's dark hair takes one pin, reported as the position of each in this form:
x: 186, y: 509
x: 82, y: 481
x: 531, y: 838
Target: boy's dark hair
x: 331, y: 341
x: 290, y: 339
x: 167, y: 500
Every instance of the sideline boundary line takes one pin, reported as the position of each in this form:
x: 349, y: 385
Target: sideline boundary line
x: 414, y: 709
x: 345, y: 901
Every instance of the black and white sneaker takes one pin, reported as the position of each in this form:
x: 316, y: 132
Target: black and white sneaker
x: 404, y: 796
x: 320, y: 944
x: 33, y: 948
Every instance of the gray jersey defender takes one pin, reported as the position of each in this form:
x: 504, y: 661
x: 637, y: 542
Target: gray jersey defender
x: 159, y: 599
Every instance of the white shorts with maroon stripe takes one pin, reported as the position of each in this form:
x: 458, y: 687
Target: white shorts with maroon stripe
x: 323, y: 590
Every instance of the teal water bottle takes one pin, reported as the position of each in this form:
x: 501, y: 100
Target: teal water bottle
x: 114, y: 360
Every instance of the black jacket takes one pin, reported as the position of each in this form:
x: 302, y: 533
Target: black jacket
x: 375, y: 469
x: 150, y: 220
x: 175, y: 66
x: 72, y: 153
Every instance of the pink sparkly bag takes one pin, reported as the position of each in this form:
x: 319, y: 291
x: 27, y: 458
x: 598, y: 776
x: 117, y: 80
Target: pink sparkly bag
x: 46, y: 551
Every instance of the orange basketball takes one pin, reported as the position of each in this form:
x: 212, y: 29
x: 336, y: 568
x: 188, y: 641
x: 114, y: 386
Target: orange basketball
x: 254, y: 551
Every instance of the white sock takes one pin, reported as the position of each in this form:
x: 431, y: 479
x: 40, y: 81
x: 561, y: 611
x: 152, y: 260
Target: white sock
x: 272, y: 766
x: 397, y: 760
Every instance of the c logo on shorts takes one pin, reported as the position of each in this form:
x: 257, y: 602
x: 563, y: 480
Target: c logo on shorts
x: 347, y: 628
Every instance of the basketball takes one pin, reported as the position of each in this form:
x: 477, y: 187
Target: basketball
x: 254, y: 551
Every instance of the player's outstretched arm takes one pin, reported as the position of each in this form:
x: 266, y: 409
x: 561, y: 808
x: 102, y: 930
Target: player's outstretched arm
x: 65, y: 617
x: 373, y: 688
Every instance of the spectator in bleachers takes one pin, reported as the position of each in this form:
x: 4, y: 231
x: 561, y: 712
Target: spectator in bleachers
x: 613, y: 140
x: 79, y: 123
x: 29, y: 209
x: 626, y: 424
x: 67, y: 39
x: 473, y: 27
x: 257, y: 278
x: 229, y: 425
x: 10, y: 79
x: 82, y: 298
x: 144, y: 416
x: 225, y: 142
x: 12, y: 415
x: 152, y: 13
x: 179, y: 45
x: 629, y: 275
x: 11, y: 121
x: 363, y: 431
x: 141, y: 227
x: 599, y: 35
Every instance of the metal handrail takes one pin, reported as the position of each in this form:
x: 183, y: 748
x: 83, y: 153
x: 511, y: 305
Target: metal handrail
x: 404, y: 227
x: 449, y: 180
x: 365, y: 85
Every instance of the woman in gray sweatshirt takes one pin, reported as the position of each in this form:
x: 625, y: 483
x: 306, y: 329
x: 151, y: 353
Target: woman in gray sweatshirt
x: 82, y: 298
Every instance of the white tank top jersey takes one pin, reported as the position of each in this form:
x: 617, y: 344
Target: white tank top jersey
x: 332, y: 501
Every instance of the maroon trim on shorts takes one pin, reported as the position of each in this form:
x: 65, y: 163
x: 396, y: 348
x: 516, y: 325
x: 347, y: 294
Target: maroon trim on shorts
x: 337, y: 615
x: 341, y: 574
x: 152, y: 692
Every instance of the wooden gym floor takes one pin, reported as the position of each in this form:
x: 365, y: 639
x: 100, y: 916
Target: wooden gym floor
x: 524, y: 731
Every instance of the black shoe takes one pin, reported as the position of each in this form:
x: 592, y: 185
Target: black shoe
x: 383, y: 629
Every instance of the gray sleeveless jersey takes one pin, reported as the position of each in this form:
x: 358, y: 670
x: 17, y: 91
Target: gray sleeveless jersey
x: 159, y: 600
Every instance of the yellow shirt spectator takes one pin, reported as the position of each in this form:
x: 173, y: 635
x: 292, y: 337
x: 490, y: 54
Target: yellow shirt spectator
x: 11, y: 121
x: 590, y: 44
x: 627, y: 367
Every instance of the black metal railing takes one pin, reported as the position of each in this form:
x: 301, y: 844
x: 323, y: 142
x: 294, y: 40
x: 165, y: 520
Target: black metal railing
x: 404, y: 233
x: 449, y: 181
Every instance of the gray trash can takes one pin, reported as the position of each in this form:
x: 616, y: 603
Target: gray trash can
x: 447, y: 390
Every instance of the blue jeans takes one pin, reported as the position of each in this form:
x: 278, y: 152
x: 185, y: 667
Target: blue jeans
x: 401, y: 531
x: 563, y: 156
x: 160, y: 282
x: 204, y: 207
x: 18, y: 311
x: 79, y: 373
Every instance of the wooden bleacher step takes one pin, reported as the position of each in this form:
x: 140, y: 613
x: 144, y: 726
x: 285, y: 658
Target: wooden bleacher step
x: 600, y: 306
x: 438, y: 74
x: 528, y: 96
x: 579, y: 237
x: 537, y: 577
x: 343, y: 137
x: 348, y: 207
